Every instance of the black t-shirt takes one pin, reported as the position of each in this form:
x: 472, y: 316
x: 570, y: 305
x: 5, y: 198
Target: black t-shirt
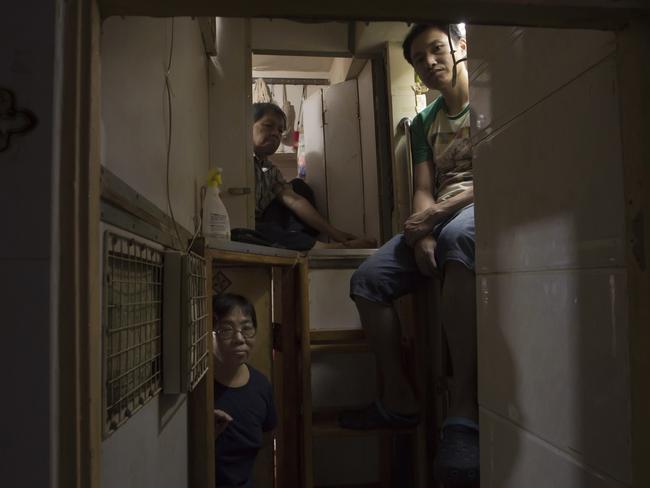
x: 253, y: 412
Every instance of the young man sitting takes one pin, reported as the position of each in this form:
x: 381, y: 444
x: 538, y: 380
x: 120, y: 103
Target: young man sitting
x: 438, y: 238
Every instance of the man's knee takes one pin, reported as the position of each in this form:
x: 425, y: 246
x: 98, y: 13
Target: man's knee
x: 363, y: 275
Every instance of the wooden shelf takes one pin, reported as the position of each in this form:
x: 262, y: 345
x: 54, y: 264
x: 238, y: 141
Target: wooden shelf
x: 342, y: 348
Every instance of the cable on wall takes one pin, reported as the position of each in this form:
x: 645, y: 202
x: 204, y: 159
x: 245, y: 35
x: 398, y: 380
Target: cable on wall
x: 452, y: 51
x: 169, y: 135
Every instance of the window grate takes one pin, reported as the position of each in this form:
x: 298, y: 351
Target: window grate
x: 132, y: 310
x: 199, y: 326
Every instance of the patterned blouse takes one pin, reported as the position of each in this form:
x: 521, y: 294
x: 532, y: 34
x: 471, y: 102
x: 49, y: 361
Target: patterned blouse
x: 269, y: 183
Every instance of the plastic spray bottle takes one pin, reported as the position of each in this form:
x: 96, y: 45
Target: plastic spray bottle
x: 216, y: 223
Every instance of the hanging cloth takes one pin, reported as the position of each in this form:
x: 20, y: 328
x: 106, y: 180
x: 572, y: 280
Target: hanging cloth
x: 261, y: 92
x: 290, y: 112
x: 299, y: 139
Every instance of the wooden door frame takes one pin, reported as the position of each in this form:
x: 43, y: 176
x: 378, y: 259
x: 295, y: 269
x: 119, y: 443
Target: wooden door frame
x: 291, y: 464
x: 78, y: 354
x: 77, y: 190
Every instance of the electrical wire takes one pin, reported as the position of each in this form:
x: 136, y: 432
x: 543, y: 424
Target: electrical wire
x: 454, y: 75
x: 200, y: 224
x: 169, y: 136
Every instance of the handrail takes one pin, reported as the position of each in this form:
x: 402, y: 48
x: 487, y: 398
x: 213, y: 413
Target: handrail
x: 405, y: 123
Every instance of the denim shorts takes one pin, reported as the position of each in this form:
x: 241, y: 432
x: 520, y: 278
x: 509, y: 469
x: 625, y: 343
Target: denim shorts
x: 392, y: 271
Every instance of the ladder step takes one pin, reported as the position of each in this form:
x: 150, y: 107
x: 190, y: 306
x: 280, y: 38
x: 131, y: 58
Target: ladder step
x: 344, y: 348
x: 337, y: 336
x: 357, y: 485
x: 325, y: 424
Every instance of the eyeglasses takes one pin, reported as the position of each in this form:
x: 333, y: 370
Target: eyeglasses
x: 227, y: 333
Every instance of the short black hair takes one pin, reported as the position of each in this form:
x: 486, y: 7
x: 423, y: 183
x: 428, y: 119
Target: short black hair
x: 261, y: 109
x: 225, y: 303
x: 418, y: 29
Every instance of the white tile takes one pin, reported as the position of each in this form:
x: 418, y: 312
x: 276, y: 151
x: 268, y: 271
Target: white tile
x: 486, y: 42
x: 514, y: 458
x: 515, y: 69
x: 553, y: 358
x: 549, y: 186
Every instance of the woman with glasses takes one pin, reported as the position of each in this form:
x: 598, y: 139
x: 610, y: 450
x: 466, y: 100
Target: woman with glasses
x: 243, y: 397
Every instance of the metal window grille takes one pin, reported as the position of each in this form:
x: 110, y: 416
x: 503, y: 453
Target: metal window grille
x: 132, y: 310
x: 198, y: 320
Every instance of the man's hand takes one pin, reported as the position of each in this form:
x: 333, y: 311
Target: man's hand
x: 424, y: 256
x: 422, y: 223
x: 342, y: 236
x: 221, y: 421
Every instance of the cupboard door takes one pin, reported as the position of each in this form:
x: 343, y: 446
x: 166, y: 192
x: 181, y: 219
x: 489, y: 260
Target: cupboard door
x: 312, y: 116
x: 344, y: 174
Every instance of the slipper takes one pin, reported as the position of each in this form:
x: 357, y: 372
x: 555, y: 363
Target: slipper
x: 457, y: 460
x: 376, y: 417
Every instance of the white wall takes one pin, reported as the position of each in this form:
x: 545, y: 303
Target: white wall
x: 299, y: 37
x: 231, y: 145
x: 552, y: 300
x: 149, y: 450
x: 339, y: 70
x: 28, y: 248
x: 134, y: 57
x: 370, y: 37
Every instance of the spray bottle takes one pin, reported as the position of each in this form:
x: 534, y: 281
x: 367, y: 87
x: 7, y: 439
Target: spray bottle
x: 216, y: 224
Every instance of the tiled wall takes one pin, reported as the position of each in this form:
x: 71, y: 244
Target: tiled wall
x: 552, y: 331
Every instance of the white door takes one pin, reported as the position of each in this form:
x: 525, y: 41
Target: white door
x: 312, y: 120
x: 344, y: 174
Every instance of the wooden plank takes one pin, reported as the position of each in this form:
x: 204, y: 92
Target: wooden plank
x: 280, y: 435
x: 601, y: 14
x: 355, y: 485
x: 91, y: 327
x: 201, y: 466
x: 79, y: 415
x: 305, y: 372
x: 119, y: 194
x: 287, y: 376
x: 431, y: 358
x: 634, y: 79
x: 341, y: 348
x: 251, y: 258
x: 386, y: 461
